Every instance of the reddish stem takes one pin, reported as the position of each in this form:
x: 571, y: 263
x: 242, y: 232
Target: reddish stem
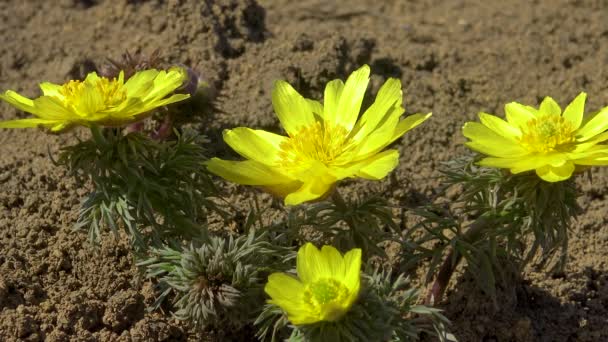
x: 451, y: 261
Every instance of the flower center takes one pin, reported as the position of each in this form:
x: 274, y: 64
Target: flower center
x: 328, y: 298
x: 111, y: 92
x: 547, y: 133
x: 321, y: 142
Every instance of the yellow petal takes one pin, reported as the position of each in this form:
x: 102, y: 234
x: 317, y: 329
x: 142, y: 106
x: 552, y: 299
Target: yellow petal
x: 248, y: 172
x: 389, y: 96
x: 283, y: 189
x: 549, y: 107
x: 525, y: 163
x: 408, y: 124
x: 316, y: 107
x: 496, y: 150
x: 19, y: 101
x: 52, y: 108
x: 351, y: 98
x: 599, y: 158
x: 388, y: 133
x: 331, y: 97
x: 283, y: 288
x: 518, y: 115
x: 293, y: 110
x: 352, y: 269
x: 166, y: 82
x: 310, y: 265
x: 584, y: 146
x: 500, y: 126
x: 50, y: 89
x: 310, y: 190
x: 167, y: 101
x: 594, y: 125
x: 378, y: 166
x: 334, y: 261
x: 286, y: 292
x: 486, y: 141
x: 556, y: 173
x: 258, y: 145
x: 141, y: 83
x: 574, y: 111
x: 27, y: 123
x: 92, y: 78
x: 590, y: 150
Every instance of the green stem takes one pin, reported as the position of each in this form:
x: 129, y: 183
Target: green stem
x: 338, y: 200
x: 343, y: 207
x: 97, y: 135
x: 452, y: 260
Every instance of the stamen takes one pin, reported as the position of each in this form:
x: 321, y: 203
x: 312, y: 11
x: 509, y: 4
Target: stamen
x: 547, y: 133
x: 321, y: 142
x: 326, y: 293
x: 112, y: 92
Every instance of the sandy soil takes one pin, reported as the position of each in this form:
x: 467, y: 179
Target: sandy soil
x: 455, y: 58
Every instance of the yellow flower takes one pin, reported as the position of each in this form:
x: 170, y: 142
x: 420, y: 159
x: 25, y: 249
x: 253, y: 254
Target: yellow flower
x: 97, y: 100
x: 325, y: 143
x: 545, y: 140
x: 328, y: 285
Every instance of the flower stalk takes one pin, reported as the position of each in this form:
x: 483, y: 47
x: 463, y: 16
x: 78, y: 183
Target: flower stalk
x: 452, y: 260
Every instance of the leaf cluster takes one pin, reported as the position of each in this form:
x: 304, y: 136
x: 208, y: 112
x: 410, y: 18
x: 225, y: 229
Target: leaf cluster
x: 499, y: 222
x: 359, y: 223
x: 156, y: 190
x: 218, y: 284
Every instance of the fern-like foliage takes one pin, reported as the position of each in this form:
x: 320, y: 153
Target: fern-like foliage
x: 155, y: 190
x: 218, y: 284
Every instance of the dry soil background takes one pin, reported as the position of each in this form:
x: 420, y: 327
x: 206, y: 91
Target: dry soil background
x: 455, y: 58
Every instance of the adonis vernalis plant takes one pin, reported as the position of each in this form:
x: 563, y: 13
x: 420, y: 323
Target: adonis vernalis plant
x: 325, y: 142
x: 98, y: 100
x: 327, y: 287
x: 545, y: 140
x: 333, y: 300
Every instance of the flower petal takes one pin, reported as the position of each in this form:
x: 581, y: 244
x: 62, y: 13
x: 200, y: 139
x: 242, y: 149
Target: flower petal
x: 310, y: 264
x: 48, y: 107
x: 352, y: 269
x: 551, y: 173
x: 594, y: 125
x: 334, y: 261
x: 51, y: 89
x: 140, y: 84
x: 499, y: 126
x: 293, y: 110
x: 388, y: 133
x: 525, y: 163
x: 518, y: 115
x: 378, y: 166
x: 574, y: 111
x: 316, y: 107
x: 27, y: 123
x: 549, y: 107
x: 286, y: 292
x: 283, y: 288
x: 19, y: 101
x: 408, y: 124
x: 258, y: 145
x: 331, y: 97
x: 310, y: 190
x: 389, y: 96
x: 248, y: 172
x: 351, y: 98
x: 487, y: 141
